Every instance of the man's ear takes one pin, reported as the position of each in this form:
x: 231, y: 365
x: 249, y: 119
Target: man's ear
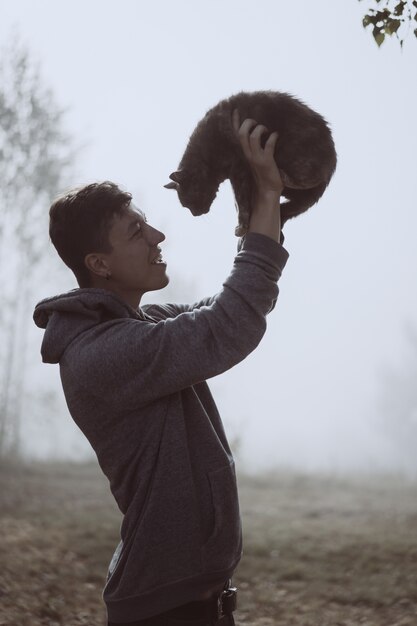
x: 96, y: 264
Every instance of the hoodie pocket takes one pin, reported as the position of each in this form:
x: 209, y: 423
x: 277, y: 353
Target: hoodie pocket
x: 224, y: 546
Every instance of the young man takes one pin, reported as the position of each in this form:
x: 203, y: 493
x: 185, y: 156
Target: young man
x: 134, y: 381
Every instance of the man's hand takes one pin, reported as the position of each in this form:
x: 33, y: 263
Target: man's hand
x: 266, y: 213
x: 261, y: 160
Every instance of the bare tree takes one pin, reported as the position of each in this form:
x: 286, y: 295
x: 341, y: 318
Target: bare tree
x: 35, y: 154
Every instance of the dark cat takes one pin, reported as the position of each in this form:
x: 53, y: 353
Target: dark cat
x: 305, y: 155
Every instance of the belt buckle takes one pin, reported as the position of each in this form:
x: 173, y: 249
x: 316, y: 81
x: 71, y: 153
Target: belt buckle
x: 226, y: 602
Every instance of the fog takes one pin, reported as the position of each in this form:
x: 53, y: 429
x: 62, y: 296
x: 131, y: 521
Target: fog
x: 136, y: 78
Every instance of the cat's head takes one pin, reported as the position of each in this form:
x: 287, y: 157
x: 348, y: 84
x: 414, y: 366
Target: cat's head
x: 196, y: 190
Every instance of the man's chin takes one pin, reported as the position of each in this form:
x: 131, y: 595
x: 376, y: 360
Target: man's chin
x: 156, y: 285
x: 161, y: 284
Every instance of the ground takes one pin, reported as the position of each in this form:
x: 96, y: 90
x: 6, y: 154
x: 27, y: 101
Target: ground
x: 318, y: 551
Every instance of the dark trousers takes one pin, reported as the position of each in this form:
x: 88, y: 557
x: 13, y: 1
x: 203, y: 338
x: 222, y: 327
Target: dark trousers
x: 227, y: 620
x: 185, y: 615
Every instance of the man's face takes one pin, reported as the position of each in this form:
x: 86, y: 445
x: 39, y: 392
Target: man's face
x: 135, y: 263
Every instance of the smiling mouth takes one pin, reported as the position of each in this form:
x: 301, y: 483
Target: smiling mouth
x: 158, y: 260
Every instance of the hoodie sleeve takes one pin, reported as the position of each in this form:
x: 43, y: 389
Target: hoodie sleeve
x: 166, y: 310
x: 133, y: 362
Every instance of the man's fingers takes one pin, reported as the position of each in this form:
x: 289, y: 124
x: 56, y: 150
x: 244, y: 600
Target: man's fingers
x: 243, y: 134
x: 246, y: 125
x: 270, y: 143
x: 255, y: 137
x: 261, y: 160
x: 249, y: 133
x: 257, y: 132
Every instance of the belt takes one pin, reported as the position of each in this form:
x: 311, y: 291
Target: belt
x: 216, y: 607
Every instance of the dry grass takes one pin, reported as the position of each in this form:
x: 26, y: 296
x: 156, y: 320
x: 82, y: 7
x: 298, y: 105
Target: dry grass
x: 318, y: 551
x: 328, y: 552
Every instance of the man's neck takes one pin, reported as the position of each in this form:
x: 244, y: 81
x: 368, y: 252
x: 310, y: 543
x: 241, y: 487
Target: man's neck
x: 131, y: 298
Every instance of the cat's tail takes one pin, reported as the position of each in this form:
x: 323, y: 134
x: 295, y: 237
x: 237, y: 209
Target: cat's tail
x: 299, y: 200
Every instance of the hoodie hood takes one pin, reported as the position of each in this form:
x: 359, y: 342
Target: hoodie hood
x: 66, y: 316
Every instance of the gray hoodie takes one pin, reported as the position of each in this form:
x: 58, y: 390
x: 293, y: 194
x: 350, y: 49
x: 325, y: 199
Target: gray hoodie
x: 134, y: 382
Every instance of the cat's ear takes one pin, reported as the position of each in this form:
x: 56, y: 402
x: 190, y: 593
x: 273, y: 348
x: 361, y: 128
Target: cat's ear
x: 178, y: 176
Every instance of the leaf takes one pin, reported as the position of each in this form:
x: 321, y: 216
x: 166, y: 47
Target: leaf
x: 395, y: 24
x: 399, y: 9
x: 392, y: 26
x: 378, y: 36
x: 381, y: 17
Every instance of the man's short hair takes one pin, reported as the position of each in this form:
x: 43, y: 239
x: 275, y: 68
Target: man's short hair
x: 79, y: 223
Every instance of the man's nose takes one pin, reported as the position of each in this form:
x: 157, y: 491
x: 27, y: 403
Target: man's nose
x: 154, y: 236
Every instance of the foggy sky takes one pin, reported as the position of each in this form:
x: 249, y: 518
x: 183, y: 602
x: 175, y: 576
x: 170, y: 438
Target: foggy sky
x: 137, y: 77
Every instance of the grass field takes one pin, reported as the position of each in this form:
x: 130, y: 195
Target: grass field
x: 318, y: 551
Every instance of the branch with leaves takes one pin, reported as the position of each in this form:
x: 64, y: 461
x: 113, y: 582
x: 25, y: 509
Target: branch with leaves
x: 391, y: 18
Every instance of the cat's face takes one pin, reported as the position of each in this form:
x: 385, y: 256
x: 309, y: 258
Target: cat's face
x: 195, y: 190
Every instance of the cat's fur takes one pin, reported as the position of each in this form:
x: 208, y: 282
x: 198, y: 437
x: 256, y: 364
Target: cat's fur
x: 305, y: 155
